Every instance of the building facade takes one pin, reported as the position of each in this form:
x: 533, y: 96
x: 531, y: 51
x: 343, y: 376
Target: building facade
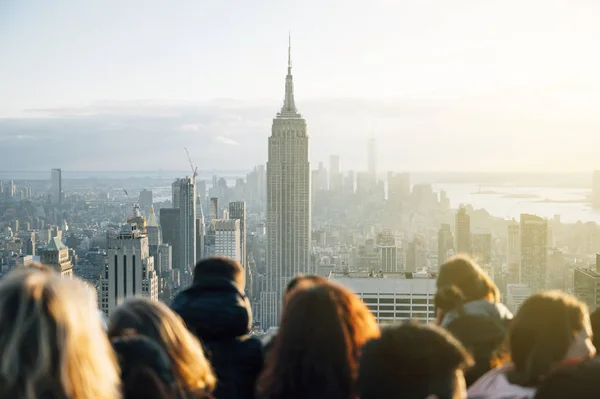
x: 56, y: 255
x: 534, y: 252
x: 288, y: 204
x: 393, y: 297
x: 514, y: 253
x: 56, y: 193
x: 227, y: 239
x: 463, y: 232
x: 445, y: 244
x: 587, y: 284
x: 186, y: 187
x: 130, y: 270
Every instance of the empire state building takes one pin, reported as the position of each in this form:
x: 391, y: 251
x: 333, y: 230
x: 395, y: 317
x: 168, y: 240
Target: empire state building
x: 288, y: 204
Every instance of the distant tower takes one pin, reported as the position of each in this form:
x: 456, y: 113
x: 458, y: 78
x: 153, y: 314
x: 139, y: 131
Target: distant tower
x: 170, y: 224
x: 463, y: 232
x: 335, y: 174
x: 130, y: 271
x: 445, y: 244
x: 56, y: 187
x: 288, y: 204
x: 386, y: 244
x: 534, y: 252
x: 514, y: 253
x: 146, y: 200
x: 237, y: 211
x: 214, y: 209
x: 186, y: 188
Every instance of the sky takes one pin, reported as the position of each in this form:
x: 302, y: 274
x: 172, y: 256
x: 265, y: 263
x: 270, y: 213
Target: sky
x: 457, y: 85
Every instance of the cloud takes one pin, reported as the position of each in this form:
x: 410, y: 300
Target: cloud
x: 226, y: 140
x: 190, y: 127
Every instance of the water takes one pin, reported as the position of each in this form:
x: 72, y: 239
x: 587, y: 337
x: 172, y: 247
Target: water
x: 572, y: 204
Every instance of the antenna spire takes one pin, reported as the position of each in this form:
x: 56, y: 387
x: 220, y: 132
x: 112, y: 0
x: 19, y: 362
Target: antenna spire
x: 289, y: 51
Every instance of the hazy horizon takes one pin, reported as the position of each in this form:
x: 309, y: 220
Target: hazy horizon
x: 506, y: 86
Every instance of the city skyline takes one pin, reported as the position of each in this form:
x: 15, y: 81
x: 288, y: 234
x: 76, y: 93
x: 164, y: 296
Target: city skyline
x: 426, y: 88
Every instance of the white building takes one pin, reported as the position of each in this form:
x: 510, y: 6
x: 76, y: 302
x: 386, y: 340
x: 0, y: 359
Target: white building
x: 228, y: 240
x: 130, y: 271
x: 393, y: 297
x: 288, y: 204
x: 516, y: 295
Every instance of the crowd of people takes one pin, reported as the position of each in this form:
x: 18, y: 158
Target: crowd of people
x: 328, y: 345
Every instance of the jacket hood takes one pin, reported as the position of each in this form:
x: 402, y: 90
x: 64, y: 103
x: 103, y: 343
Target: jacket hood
x: 481, y: 307
x: 495, y: 385
x: 214, y: 309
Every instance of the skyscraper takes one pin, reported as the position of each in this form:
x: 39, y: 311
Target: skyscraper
x: 288, y: 203
x: 481, y: 248
x: 186, y: 188
x: 130, y: 269
x: 445, y: 243
x: 398, y: 188
x: 169, y: 222
x: 56, y: 255
x: 56, y: 187
x: 227, y: 238
x: 463, y: 232
x: 514, y: 253
x: 214, y: 209
x: 335, y: 174
x: 534, y: 252
x: 237, y: 211
x: 386, y: 244
x: 146, y: 200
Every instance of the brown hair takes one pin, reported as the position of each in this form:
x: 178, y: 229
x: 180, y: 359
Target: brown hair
x: 317, y: 348
x: 462, y: 280
x: 541, y: 334
x: 51, y: 339
x: 155, y: 320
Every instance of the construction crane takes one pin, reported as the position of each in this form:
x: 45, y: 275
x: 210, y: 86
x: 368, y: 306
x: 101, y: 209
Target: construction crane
x: 194, y: 168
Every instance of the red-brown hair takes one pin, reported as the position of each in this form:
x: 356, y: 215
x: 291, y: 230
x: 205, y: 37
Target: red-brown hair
x: 317, y: 348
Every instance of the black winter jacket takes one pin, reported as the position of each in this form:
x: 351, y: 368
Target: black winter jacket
x: 219, y: 314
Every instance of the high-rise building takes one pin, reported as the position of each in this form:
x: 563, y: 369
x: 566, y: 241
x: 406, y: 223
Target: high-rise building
x: 587, y: 284
x: 463, y: 232
x: 227, y: 238
x: 514, y: 253
x: 445, y: 244
x: 153, y: 229
x: 187, y: 222
x: 56, y: 255
x: 386, y: 244
x: 130, y: 271
x: 534, y: 252
x: 481, y: 248
x: 176, y: 193
x: 349, y: 183
x: 200, y: 234
x: 169, y: 223
x: 335, y: 174
x: 288, y: 204
x: 596, y: 189
x: 214, y: 209
x: 146, y: 200
x: 398, y: 187
x: 416, y: 255
x: 372, y: 158
x: 516, y: 294
x: 56, y: 187
x: 237, y: 211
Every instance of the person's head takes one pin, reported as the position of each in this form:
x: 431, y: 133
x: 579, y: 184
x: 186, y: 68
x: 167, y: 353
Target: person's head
x: 578, y: 380
x: 156, y: 321
x: 146, y: 370
x: 461, y: 280
x: 51, y: 340
x: 316, y: 350
x: 595, y: 322
x: 485, y: 339
x: 415, y: 362
x: 550, y: 328
x: 301, y: 282
x: 221, y: 267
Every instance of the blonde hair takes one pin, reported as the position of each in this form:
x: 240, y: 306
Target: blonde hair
x: 51, y: 340
x: 155, y: 320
